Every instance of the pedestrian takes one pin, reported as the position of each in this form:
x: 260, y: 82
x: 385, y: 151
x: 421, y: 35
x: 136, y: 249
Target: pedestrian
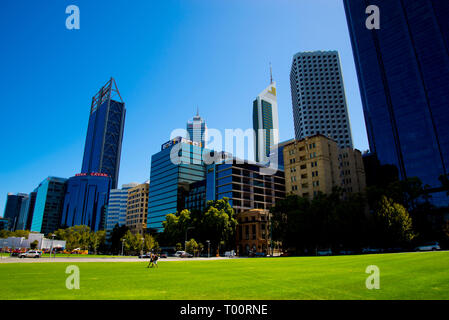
x: 151, y: 263
x: 156, y: 257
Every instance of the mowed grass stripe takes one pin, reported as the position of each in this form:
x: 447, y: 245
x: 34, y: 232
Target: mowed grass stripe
x: 403, y: 276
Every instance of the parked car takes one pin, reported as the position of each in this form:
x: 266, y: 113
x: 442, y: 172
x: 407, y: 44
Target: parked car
x: 163, y: 255
x: 324, y: 252
x: 16, y: 252
x: 145, y: 256
x: 179, y: 253
x: 431, y: 246
x: 31, y: 254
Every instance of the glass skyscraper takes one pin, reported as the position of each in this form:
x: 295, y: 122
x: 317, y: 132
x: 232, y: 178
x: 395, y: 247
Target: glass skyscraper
x: 85, y: 201
x: 265, y: 123
x: 197, y: 130
x: 105, y: 133
x: 13, y: 207
x: 48, y: 206
x: 318, y: 97
x: 403, y: 71
x: 173, y: 169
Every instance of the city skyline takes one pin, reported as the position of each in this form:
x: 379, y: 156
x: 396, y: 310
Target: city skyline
x: 148, y: 85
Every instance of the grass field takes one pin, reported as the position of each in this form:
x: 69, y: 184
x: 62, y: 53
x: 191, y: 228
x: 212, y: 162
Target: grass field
x: 402, y: 276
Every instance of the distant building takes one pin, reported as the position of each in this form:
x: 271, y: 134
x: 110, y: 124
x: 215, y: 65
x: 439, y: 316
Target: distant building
x: 253, y: 232
x: 318, y: 97
x: 117, y: 205
x: 105, y: 133
x: 403, y: 72
x: 49, y: 203
x: 244, y: 184
x: 32, y: 203
x: 23, y: 215
x: 197, y: 130
x: 317, y: 164
x: 4, y: 224
x: 137, y: 208
x: 173, y: 169
x: 265, y: 123
x: 196, y: 196
x: 12, y: 209
x: 23, y: 243
x: 85, y: 201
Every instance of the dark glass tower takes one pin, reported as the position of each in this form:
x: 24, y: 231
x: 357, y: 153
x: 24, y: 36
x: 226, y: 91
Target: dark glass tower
x: 403, y: 71
x: 105, y: 133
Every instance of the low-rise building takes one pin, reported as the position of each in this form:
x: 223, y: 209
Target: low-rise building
x: 137, y: 208
x: 253, y: 232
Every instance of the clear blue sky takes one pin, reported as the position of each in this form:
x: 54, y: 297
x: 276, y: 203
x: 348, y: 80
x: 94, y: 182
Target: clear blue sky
x: 167, y: 56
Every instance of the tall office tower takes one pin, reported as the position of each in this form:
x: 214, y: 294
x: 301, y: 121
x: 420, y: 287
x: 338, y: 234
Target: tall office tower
x: 403, y: 71
x: 32, y: 203
x: 117, y: 205
x: 197, y: 130
x: 316, y: 164
x: 85, y: 200
x: 23, y: 215
x: 48, y: 207
x: 318, y: 97
x: 12, y: 209
x: 173, y: 169
x: 265, y: 123
x: 105, y: 133
x: 137, y: 209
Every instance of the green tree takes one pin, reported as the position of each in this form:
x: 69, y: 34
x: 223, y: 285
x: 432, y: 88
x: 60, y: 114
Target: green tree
x: 192, y: 247
x: 115, y: 239
x: 394, y: 223
x: 33, y: 245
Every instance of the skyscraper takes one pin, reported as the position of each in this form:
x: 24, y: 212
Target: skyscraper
x: 173, y: 169
x: 403, y: 71
x: 197, y: 130
x: 48, y: 207
x: 13, y: 208
x: 318, y: 97
x: 105, y: 133
x: 265, y: 123
x: 85, y: 200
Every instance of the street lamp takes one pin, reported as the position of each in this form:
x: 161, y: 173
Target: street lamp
x: 143, y: 242
x: 208, y: 248
x: 123, y: 243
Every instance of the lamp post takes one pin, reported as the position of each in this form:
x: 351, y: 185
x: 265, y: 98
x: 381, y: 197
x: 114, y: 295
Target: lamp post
x: 143, y: 242
x: 52, y: 239
x: 185, y: 242
x: 123, y: 243
x: 208, y: 248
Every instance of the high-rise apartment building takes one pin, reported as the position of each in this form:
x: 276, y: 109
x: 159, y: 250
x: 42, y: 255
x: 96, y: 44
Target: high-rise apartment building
x: 318, y: 97
x: 137, y: 208
x: 85, y: 200
x: 316, y: 164
x: 116, y: 210
x: 403, y: 71
x: 173, y: 169
x: 105, y: 133
x: 265, y: 123
x: 197, y: 130
x: 48, y: 206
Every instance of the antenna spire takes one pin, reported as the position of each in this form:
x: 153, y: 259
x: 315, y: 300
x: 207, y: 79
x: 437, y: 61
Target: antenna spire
x: 197, y: 111
x: 271, y: 74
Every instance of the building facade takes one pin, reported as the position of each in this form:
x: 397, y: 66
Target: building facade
x: 103, y: 146
x: 265, y: 123
x: 49, y: 203
x: 173, y: 169
x: 244, y: 185
x: 13, y: 207
x: 85, y: 201
x: 403, y: 72
x: 197, y: 130
x: 253, y: 232
x: 317, y: 164
x: 196, y: 196
x: 117, y: 205
x: 137, y: 208
x: 318, y: 97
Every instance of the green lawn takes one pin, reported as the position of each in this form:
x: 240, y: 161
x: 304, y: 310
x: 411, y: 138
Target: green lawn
x: 402, y: 276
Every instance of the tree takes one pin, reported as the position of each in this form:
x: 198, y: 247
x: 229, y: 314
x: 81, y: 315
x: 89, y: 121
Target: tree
x: 33, y: 245
x: 133, y: 243
x: 149, y: 243
x: 5, y: 234
x: 394, y: 223
x: 117, y: 234
x: 175, y: 226
x: 192, y: 247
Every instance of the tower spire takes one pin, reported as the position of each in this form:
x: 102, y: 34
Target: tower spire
x: 271, y: 74
x: 197, y: 111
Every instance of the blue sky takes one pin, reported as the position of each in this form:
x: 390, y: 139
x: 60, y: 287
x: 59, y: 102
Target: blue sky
x: 168, y: 58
